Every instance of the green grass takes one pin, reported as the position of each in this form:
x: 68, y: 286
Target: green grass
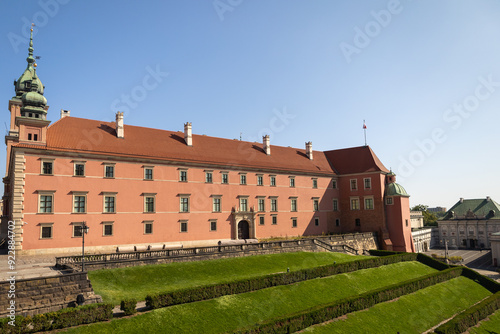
x: 232, y: 312
x: 490, y: 326
x: 137, y: 282
x: 413, y: 313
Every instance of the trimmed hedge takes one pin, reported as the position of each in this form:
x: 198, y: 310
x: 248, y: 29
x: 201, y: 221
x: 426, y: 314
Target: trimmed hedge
x: 431, y: 262
x: 328, y: 312
x: 251, y: 284
x: 66, y: 317
x: 381, y: 252
x: 128, y: 306
x: 470, y: 317
x: 487, y: 282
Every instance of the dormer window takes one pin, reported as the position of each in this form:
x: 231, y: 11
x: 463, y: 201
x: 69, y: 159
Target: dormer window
x: 27, y: 84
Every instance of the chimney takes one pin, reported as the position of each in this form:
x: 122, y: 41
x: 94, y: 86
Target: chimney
x: 119, y: 124
x: 267, y: 144
x: 64, y: 113
x: 188, y: 134
x: 461, y: 200
x: 488, y: 198
x: 309, y: 150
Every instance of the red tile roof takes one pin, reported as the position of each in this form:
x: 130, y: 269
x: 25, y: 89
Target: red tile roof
x: 72, y: 134
x: 355, y: 160
x: 84, y: 135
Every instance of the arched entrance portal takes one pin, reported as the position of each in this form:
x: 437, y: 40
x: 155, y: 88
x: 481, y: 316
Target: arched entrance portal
x: 243, y: 230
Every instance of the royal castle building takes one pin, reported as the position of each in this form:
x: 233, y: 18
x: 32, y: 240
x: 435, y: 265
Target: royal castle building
x: 136, y: 186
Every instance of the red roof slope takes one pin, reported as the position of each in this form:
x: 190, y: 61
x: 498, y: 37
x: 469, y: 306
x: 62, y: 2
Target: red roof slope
x: 355, y: 160
x: 84, y: 135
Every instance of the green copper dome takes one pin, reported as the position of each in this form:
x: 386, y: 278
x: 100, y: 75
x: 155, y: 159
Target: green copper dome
x: 394, y: 189
x: 24, y: 83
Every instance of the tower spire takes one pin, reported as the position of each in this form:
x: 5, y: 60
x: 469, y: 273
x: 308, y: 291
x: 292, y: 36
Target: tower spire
x: 31, y: 59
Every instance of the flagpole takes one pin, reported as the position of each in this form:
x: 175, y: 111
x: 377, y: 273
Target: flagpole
x: 364, y: 129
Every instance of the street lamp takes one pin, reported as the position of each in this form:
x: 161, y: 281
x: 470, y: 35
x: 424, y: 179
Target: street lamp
x: 84, y: 228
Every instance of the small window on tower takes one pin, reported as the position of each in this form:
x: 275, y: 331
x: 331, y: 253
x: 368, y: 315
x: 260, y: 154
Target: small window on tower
x: 29, y: 136
x: 35, y: 137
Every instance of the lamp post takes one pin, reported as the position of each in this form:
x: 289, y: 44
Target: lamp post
x: 84, y: 228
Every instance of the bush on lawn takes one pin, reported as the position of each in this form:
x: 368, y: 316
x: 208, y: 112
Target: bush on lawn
x: 60, y: 319
x: 128, y: 306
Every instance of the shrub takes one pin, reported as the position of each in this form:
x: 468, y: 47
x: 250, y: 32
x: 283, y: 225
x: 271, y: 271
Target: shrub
x: 470, y: 317
x: 128, y: 306
x: 217, y: 290
x: 61, y: 319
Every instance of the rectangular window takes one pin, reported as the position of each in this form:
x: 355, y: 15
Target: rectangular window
x: 260, y: 180
x: 225, y: 178
x: 262, y: 206
x: 109, y: 204
x: 29, y: 136
x: 337, y: 222
x: 148, y: 173
x: 109, y: 171
x: 243, y: 179
x: 148, y: 228
x: 335, y: 205
x: 275, y: 220
x: 293, y: 204
x: 79, y: 169
x: 149, y: 204
x: 315, y: 183
x: 358, y: 222
x: 315, y: 204
x: 334, y: 184
x: 368, y: 183
x: 354, y: 184
x: 244, y: 204
x: 292, y: 182
x: 107, y: 229
x: 184, y: 204
x: 368, y: 203
x: 216, y: 204
x: 208, y: 177
x: 46, y: 232
x: 316, y: 221
x: 184, y: 226
x: 388, y: 201
x: 183, y: 175
x: 46, y: 203
x: 407, y: 224
x: 213, y: 225
x: 294, y: 222
x: 77, y: 230
x: 261, y: 220
x: 47, y: 167
x: 272, y: 180
x: 79, y: 203
x: 274, y: 204
x: 354, y: 204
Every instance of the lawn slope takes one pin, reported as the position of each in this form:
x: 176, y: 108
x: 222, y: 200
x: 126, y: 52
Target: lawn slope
x: 233, y: 312
x: 137, y: 282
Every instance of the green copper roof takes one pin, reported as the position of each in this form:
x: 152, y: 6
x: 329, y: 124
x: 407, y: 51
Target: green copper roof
x: 395, y: 189
x: 474, y: 209
x: 29, y: 78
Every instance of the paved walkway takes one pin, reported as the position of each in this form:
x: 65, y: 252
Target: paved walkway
x: 31, y: 266
x: 480, y: 261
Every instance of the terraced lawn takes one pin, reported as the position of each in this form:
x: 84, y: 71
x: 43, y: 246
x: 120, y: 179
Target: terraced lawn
x: 413, y: 313
x: 137, y: 282
x: 232, y: 312
x: 490, y: 326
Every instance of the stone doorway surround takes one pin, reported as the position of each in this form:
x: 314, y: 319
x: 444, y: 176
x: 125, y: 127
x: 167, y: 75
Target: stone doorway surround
x: 240, y: 216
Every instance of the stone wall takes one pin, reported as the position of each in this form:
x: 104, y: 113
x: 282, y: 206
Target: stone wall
x: 359, y: 242
x: 47, y: 294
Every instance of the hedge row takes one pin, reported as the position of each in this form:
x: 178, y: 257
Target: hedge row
x: 252, y: 284
x: 486, y: 282
x: 128, y: 306
x: 324, y: 313
x: 431, y: 262
x: 471, y: 316
x: 67, y: 317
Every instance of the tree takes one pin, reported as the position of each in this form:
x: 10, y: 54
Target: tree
x: 430, y: 218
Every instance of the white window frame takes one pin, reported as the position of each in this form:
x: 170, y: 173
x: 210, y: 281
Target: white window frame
x: 366, y: 199
x: 222, y: 178
x: 274, y: 219
x: 272, y: 180
x: 148, y: 222
x: 108, y: 194
x: 353, y: 200
x: 243, y: 203
x: 76, y: 163
x: 80, y: 194
x: 315, y: 204
x: 369, y: 179
x: 261, y: 203
x: 183, y: 223
x: 181, y: 204
x: 183, y: 171
x: 293, y: 204
x: 214, y: 199
x: 45, y: 193
x: 106, y: 165
x: 104, y: 224
x: 292, y: 181
x: 51, y: 161
x: 295, y: 222
x: 243, y: 179
x: 212, y: 222
x: 146, y: 196
x: 75, y: 227
x: 51, y: 225
x: 353, y: 184
x: 209, y: 176
x: 335, y: 203
x: 262, y: 220
x: 275, y: 200
x: 151, y: 168
x: 260, y: 179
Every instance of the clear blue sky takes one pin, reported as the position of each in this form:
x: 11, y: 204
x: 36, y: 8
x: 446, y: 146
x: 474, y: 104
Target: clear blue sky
x: 425, y: 75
